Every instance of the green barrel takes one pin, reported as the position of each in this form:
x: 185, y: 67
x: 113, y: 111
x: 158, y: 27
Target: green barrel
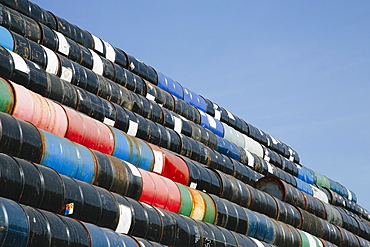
x: 186, y: 201
x: 6, y: 96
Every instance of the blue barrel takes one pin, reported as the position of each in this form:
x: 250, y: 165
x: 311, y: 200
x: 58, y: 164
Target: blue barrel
x: 103, y: 236
x: 67, y: 158
x: 133, y: 150
x: 6, y: 39
x: 195, y: 100
x: 305, y: 175
x: 227, y: 148
x: 170, y: 86
x: 14, y: 224
x: 215, y: 126
x: 174, y: 88
x: 266, y: 230
x: 303, y: 186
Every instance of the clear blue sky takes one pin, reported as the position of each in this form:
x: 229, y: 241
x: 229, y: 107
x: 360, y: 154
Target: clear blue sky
x: 298, y: 70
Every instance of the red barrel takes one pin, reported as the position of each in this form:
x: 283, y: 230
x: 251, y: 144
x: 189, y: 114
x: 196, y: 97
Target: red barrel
x: 170, y: 165
x: 42, y: 112
x: 89, y: 132
x: 160, y: 192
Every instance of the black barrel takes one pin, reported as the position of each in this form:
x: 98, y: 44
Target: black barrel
x: 288, y: 214
x: 38, y: 80
x: 19, y: 138
x: 12, y: 178
x: 263, y: 203
x: 155, y: 229
x: 331, y: 232
x: 311, y: 223
x: 39, y: 233
x: 281, y: 190
x: 78, y: 233
x: 169, y: 227
x: 73, y: 198
x: 31, y: 194
x: 58, y: 231
x: 6, y: 63
x: 219, y: 237
x: 61, y: 91
x: 208, y: 238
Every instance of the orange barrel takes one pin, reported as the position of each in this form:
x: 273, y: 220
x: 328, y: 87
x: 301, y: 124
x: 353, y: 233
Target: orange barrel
x: 42, y: 112
x: 89, y: 132
x: 7, y: 98
x: 199, y: 206
x: 170, y: 165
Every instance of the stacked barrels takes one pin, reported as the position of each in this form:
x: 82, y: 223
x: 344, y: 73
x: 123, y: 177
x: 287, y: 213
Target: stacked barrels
x: 100, y: 149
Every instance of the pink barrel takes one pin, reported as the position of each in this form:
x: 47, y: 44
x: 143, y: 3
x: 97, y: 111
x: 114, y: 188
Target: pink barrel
x: 42, y: 112
x: 89, y: 132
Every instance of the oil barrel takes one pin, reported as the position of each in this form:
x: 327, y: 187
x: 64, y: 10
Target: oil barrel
x: 43, y: 113
x: 288, y: 214
x: 314, y: 206
x: 12, y: 178
x: 186, y: 206
x: 195, y: 100
x: 281, y: 191
x: 123, y: 118
x: 132, y: 220
x: 7, y: 65
x: 169, y: 227
x: 78, y: 160
x: 127, y: 178
x: 58, y: 231
x: 19, y: 138
x: 311, y: 223
x: 219, y: 237
x: 208, y: 238
x: 7, y: 95
x: 21, y: 71
x: 199, y: 206
x: 89, y: 132
x: 309, y: 240
x: 155, y: 229
x: 133, y: 150
x: 331, y: 232
x: 15, y: 223
x: 188, y: 232
x: 263, y: 202
x: 102, y: 238
x: 32, y: 189
x: 39, y: 234
x: 78, y: 234
x: 61, y: 91
x: 170, y: 165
